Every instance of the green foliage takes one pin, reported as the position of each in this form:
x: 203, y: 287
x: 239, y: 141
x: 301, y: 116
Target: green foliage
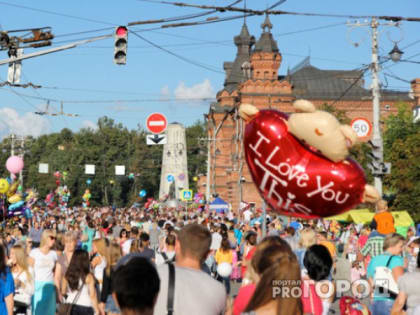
x: 402, y: 149
x: 111, y: 144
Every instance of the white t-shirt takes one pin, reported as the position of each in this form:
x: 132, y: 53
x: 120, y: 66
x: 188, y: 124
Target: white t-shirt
x: 44, y: 264
x: 195, y: 292
x: 216, y: 241
x: 126, y: 246
x: 247, y: 215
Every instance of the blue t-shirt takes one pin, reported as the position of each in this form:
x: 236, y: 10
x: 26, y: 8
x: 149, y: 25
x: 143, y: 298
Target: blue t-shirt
x: 7, y: 287
x: 381, y: 261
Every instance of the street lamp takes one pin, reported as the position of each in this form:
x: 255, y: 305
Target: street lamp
x: 395, y: 54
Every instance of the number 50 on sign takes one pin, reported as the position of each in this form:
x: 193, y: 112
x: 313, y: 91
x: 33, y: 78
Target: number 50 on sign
x: 362, y: 127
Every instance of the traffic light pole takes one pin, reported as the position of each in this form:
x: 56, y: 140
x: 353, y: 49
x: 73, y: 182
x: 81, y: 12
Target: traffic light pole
x: 376, y: 134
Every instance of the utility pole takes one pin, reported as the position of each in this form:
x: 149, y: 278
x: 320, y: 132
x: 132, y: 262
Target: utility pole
x: 379, y: 168
x: 376, y: 96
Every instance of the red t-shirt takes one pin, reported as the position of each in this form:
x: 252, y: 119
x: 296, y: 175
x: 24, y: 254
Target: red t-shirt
x: 242, y: 299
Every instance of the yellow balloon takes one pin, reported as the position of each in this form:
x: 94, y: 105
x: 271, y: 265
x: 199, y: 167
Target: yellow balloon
x: 4, y: 186
x: 12, y: 189
x: 15, y: 198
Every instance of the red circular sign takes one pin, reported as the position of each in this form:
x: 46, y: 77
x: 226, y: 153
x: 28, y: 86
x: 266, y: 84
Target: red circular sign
x: 156, y: 123
x: 361, y: 126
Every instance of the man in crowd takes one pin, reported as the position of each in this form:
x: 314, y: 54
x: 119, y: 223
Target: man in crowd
x: 383, y: 220
x: 136, y: 286
x: 35, y: 234
x: 195, y: 292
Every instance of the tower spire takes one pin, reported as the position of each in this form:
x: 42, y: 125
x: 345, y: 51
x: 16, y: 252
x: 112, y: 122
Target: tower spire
x: 267, y: 24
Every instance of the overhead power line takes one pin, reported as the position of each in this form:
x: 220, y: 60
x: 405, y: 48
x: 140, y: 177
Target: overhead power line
x: 281, y: 12
x: 176, y: 55
x: 178, y: 18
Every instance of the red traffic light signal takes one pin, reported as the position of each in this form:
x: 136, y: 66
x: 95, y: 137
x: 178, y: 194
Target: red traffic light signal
x: 120, y: 45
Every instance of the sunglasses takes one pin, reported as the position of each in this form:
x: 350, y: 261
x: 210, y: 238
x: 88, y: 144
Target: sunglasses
x: 52, y: 238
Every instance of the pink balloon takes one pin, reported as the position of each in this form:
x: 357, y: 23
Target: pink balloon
x: 14, y: 164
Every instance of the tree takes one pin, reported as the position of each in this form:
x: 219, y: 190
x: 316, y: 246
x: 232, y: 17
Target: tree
x: 402, y: 149
x: 111, y: 144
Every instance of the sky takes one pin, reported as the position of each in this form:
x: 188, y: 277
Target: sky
x: 89, y: 84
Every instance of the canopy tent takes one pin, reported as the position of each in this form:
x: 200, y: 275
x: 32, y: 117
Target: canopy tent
x: 219, y: 205
x: 351, y: 216
x: 402, y: 219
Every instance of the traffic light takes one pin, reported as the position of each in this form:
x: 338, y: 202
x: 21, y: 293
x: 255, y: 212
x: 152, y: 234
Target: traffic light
x: 376, y: 163
x: 120, y: 45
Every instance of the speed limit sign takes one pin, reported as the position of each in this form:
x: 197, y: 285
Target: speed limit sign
x: 362, y: 127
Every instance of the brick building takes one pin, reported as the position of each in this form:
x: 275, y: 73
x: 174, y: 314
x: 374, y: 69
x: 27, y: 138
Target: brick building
x: 253, y: 78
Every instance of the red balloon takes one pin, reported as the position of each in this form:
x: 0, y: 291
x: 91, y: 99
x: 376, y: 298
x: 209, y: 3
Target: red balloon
x: 293, y: 178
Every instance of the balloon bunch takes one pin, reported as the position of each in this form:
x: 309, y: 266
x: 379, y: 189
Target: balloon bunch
x: 86, y: 196
x: 49, y: 200
x: 63, y: 197
x: 57, y: 176
x: 199, y: 198
x: 150, y: 204
x: 30, y: 199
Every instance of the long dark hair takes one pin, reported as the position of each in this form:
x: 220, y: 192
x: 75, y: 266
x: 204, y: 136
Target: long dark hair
x: 276, y: 262
x: 78, y: 268
x: 3, y: 265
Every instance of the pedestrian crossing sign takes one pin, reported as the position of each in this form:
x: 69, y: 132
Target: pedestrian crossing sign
x: 186, y: 195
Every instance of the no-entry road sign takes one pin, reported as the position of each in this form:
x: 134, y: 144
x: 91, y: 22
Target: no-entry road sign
x: 156, y: 123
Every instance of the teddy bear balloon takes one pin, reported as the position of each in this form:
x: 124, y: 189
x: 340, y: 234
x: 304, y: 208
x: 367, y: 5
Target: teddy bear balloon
x: 300, y: 162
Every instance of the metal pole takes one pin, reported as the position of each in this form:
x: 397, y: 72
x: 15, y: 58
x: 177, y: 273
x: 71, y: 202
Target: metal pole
x: 22, y: 145
x: 12, y: 151
x: 376, y: 136
x: 264, y: 217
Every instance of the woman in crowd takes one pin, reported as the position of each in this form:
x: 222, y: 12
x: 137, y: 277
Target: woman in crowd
x: 70, y: 242
x: 43, y: 260
x: 409, y: 293
x: 88, y: 235
x: 168, y: 254
x: 307, y: 239
x: 224, y: 255
x: 79, y: 285
x: 249, y: 250
x: 391, y: 258
x: 123, y: 237
x: 7, y: 286
x: 246, y: 291
x: 272, y: 264
x: 99, y: 252
x: 107, y: 303
x: 317, y: 263
x: 23, y: 278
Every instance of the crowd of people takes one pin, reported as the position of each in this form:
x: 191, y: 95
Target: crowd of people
x: 185, y: 261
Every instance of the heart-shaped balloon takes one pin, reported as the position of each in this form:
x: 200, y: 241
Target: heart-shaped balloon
x: 293, y: 178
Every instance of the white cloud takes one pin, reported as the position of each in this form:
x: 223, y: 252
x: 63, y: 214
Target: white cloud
x: 29, y: 124
x: 89, y: 125
x: 197, y: 91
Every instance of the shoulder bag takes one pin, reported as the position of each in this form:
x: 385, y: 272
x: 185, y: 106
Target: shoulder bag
x: 65, y: 308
